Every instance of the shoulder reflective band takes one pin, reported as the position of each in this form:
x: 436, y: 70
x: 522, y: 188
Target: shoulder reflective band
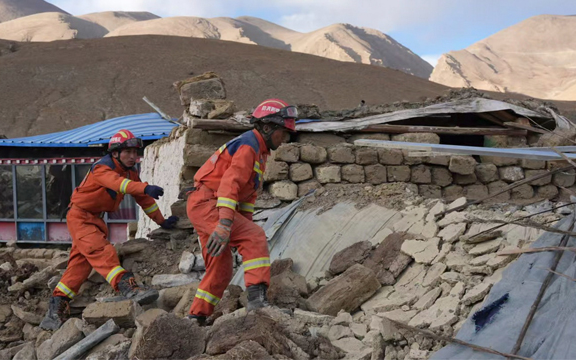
x: 226, y: 202
x: 124, y: 185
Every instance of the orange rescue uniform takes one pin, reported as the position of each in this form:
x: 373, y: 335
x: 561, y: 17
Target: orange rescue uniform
x: 226, y: 187
x: 102, y: 190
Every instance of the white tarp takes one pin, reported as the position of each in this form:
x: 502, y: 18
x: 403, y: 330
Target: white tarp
x: 475, y: 105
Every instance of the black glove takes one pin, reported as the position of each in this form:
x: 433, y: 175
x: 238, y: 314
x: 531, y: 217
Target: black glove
x: 170, y: 222
x: 154, y: 191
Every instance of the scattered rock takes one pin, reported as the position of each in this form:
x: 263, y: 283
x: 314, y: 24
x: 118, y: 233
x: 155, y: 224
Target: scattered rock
x: 354, y: 254
x: 69, y: 334
x: 422, y: 251
x: 477, y: 293
x: 124, y: 313
x: 486, y: 247
x: 452, y: 232
x: 172, y: 280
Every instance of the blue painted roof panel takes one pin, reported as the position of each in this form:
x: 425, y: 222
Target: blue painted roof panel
x: 146, y: 126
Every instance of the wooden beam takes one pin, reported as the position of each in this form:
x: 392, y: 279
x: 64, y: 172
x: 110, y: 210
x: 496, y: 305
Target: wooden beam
x: 490, y: 117
x: 526, y: 127
x: 229, y: 125
x: 443, y: 130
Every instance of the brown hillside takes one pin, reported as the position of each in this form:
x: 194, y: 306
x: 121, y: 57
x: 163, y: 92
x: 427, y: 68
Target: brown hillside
x: 48, y: 87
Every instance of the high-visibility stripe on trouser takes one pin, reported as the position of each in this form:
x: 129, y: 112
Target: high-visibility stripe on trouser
x: 206, y: 296
x: 113, y: 273
x: 256, y: 263
x: 66, y: 290
x: 247, y: 237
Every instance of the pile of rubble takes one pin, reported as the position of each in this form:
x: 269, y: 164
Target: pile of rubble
x: 425, y: 271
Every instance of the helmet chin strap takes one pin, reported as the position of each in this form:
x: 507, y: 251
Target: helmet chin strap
x: 267, y: 136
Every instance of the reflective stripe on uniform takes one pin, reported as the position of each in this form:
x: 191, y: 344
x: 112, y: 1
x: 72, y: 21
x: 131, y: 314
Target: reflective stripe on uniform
x: 226, y: 202
x: 222, y: 148
x: 247, y: 207
x: 257, y: 168
x: 256, y: 263
x: 151, y: 209
x: 66, y: 290
x: 112, y: 274
x: 206, y: 296
x: 124, y: 185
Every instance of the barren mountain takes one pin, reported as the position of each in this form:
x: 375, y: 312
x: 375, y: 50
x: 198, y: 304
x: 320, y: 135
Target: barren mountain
x: 111, y: 20
x: 342, y: 42
x: 536, y: 57
x: 50, y: 26
x: 55, y: 86
x: 13, y: 9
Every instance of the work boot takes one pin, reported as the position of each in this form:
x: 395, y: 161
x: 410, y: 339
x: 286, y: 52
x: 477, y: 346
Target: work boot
x: 130, y: 290
x: 257, y: 297
x: 200, y: 319
x: 58, y: 313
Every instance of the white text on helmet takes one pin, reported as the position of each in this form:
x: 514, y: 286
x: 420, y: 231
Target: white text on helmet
x: 115, y: 139
x: 270, y: 108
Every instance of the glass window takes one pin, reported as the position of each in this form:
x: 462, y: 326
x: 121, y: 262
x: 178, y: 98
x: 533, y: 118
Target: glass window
x: 29, y: 192
x: 6, y: 193
x: 58, y: 189
x: 81, y: 171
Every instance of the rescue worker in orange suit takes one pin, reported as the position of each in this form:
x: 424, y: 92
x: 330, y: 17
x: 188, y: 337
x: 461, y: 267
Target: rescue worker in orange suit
x: 102, y: 190
x: 221, y: 208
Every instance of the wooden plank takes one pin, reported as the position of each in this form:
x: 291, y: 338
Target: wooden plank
x: 227, y: 125
x: 526, y: 127
x: 493, y: 119
x: 443, y: 130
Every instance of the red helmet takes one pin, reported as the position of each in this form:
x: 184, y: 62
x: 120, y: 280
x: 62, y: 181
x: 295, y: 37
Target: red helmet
x: 278, y: 112
x: 124, y: 139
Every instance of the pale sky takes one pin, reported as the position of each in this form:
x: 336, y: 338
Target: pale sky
x: 427, y: 27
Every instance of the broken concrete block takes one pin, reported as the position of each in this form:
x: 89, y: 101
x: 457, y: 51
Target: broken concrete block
x: 486, y: 247
x: 463, y: 165
x: 343, y: 318
x: 433, y: 274
x: 124, y: 313
x: 284, y: 190
x: 349, y: 345
x: 300, y: 172
x: 289, y: 153
x: 339, y: 331
x: 422, y: 251
x: 452, y: 232
x: 170, y: 337
x: 345, y: 292
x: 428, y: 299
x: 477, y: 293
x: 63, y: 339
x: 313, y: 154
x: 328, y: 174
x: 353, y: 254
x: 172, y: 280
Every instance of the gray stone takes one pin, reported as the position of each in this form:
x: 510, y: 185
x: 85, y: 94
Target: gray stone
x: 477, y: 293
x: 341, y: 154
x: 533, y: 164
x: 300, y: 172
x: 485, y: 247
x: 475, y: 192
x: 546, y: 192
x: 124, y: 313
x: 64, y: 338
x: 496, y: 187
x: 428, y: 299
x: 289, y: 153
x: 486, y: 173
x: 27, y: 353
x: 143, y: 321
x: 307, y: 186
x: 542, y: 181
x: 375, y: 174
x: 187, y: 261
x: 353, y: 173
x: 312, y: 318
x: 422, y: 251
x: 430, y: 191
x: 338, y: 332
x: 399, y: 315
x: 211, y: 88
x: 320, y: 139
x: 366, y: 156
x: 565, y: 179
x: 433, y: 274
x: 442, y: 160
x: 390, y: 156
x: 313, y: 154
x: 452, y: 232
x: 28, y: 317
x: 522, y: 192
x: 400, y: 173
x: 276, y: 170
x: 349, y: 344
x: 465, y: 179
x: 421, y: 174
x: 463, y: 165
x: 511, y: 173
x: 353, y: 254
x: 284, y: 190
x: 441, y: 176
x: 328, y: 174
x: 499, y: 161
x: 452, y: 192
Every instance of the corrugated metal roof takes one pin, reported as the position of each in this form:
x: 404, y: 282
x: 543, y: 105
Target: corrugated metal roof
x: 146, y: 126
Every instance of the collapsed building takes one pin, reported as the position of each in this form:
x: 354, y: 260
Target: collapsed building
x: 363, y: 236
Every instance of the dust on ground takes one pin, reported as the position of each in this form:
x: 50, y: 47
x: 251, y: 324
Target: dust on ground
x: 389, y: 195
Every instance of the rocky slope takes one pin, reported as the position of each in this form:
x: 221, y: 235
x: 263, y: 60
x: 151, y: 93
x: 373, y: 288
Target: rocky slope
x: 536, y: 57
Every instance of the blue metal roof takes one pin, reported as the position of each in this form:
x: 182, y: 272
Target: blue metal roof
x: 145, y: 126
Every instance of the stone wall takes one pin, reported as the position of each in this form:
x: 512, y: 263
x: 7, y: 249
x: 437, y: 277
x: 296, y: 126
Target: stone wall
x: 162, y: 165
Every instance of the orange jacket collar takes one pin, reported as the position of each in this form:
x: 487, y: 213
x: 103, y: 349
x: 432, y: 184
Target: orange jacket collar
x: 261, y: 142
